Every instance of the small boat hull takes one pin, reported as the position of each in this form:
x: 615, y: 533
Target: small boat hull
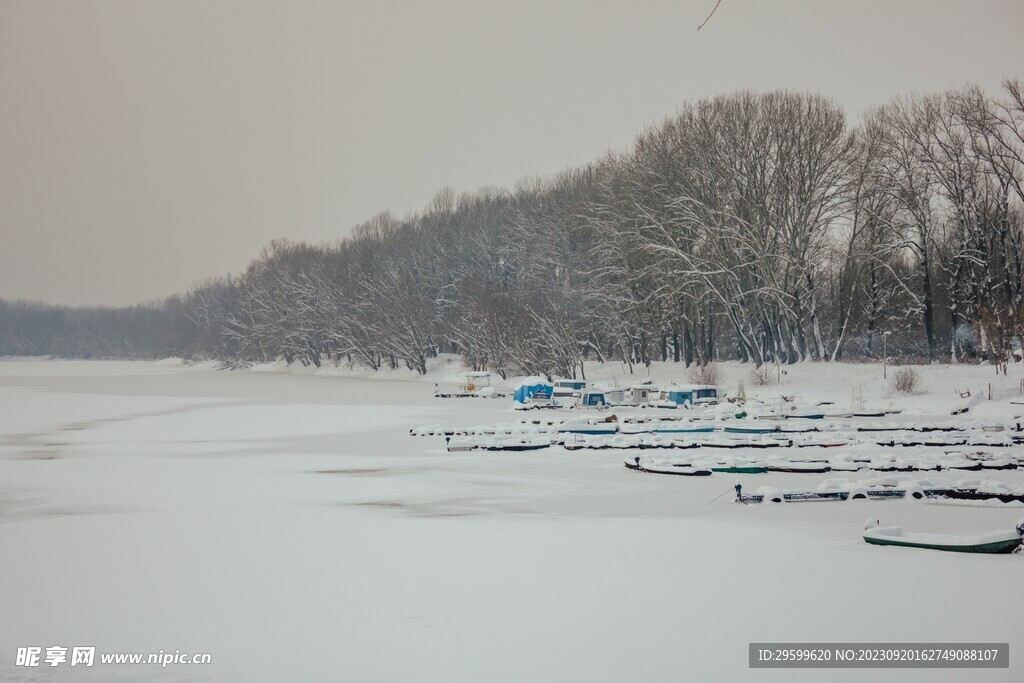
x: 974, y: 494
x: 740, y: 470
x: 684, y: 430
x: 993, y: 548
x: 796, y: 468
x: 684, y: 470
x: 751, y: 430
x: 997, y: 543
x: 517, y: 447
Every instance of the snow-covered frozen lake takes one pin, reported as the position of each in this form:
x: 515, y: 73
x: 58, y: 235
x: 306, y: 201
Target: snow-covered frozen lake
x: 287, y: 524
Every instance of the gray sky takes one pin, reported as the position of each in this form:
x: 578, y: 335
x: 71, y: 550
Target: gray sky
x: 144, y: 145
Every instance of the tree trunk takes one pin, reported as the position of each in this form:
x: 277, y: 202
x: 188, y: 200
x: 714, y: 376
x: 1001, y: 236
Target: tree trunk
x: 815, y: 326
x: 928, y: 308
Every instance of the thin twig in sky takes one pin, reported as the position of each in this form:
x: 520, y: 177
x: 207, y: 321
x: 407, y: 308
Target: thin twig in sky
x: 719, y: 2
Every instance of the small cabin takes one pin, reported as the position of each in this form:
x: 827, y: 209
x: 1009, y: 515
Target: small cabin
x: 569, y: 387
x: 614, y: 396
x: 593, y: 398
x: 641, y: 393
x: 690, y: 394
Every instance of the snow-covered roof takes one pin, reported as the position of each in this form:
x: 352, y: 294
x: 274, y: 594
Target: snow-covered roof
x: 530, y: 381
x: 689, y: 387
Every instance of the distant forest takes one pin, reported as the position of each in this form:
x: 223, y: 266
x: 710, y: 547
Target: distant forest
x: 761, y: 227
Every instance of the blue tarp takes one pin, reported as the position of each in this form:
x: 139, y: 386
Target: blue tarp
x: 680, y: 397
x: 689, y: 394
x: 525, y: 391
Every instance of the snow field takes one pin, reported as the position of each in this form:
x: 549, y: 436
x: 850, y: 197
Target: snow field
x: 287, y: 523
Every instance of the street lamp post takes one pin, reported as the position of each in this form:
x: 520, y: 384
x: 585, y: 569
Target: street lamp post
x: 885, y: 356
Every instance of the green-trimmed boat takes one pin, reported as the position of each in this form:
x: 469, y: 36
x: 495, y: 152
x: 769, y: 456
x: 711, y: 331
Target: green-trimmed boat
x: 993, y: 542
x: 751, y: 469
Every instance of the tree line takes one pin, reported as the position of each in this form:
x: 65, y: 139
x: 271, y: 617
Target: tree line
x: 761, y: 227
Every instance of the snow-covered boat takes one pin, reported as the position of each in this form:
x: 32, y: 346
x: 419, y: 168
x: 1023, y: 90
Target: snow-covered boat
x: 477, y: 385
x: 798, y: 467
x: 585, y: 426
x: 680, y: 470
x: 986, y: 542
x: 667, y: 428
x: 538, y: 400
x: 820, y: 440
x: 523, y: 444
x: 1004, y: 492
x: 664, y: 405
x: 740, y: 443
x: 569, y: 387
x: 534, y: 392
x: 740, y: 469
x: 774, y: 495
x: 797, y: 428
x: 883, y: 428
x: 750, y: 429
x: 842, y: 465
x: 998, y: 464
x: 805, y: 415
x: 634, y: 428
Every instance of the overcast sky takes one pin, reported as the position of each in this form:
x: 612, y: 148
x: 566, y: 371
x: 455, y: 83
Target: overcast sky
x: 145, y: 145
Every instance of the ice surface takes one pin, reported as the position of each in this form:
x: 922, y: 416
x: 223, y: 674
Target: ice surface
x: 286, y: 522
